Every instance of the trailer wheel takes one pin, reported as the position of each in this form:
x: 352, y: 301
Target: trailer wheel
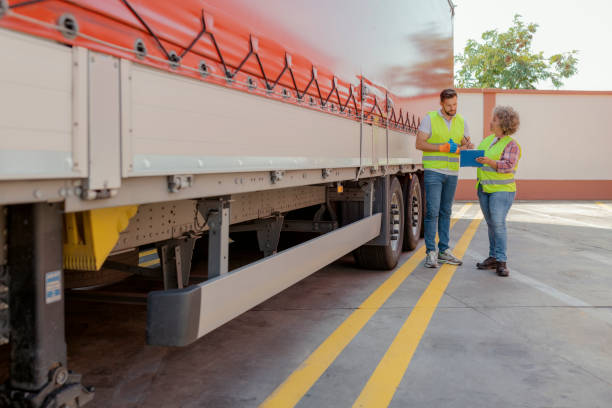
x: 421, y: 178
x: 386, y: 257
x: 414, y: 214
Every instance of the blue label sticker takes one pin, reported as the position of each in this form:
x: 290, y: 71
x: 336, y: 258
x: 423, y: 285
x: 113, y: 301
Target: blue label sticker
x: 53, y: 287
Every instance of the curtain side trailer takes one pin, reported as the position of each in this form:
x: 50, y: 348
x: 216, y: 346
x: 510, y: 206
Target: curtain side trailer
x: 132, y: 132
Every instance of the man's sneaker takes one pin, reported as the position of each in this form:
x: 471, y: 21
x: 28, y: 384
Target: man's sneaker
x: 431, y: 261
x: 448, y: 257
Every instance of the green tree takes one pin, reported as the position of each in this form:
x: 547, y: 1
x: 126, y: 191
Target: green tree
x: 505, y: 60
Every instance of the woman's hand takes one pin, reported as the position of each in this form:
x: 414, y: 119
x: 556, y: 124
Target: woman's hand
x: 487, y: 161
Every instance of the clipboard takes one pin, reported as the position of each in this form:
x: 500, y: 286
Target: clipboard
x: 468, y: 158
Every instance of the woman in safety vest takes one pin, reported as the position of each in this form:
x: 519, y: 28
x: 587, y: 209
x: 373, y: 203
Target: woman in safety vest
x: 496, y: 185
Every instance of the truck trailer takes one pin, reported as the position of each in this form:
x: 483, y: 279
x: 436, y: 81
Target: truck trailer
x: 133, y: 132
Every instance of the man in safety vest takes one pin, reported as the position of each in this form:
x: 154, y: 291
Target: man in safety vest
x: 441, y: 135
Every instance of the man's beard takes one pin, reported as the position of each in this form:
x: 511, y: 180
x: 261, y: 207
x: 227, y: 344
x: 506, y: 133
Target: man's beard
x: 448, y: 113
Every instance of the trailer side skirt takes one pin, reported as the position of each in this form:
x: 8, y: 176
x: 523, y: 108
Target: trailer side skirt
x: 179, y: 317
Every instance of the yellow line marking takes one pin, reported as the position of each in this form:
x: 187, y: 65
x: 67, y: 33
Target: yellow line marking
x: 383, y: 383
x: 291, y: 391
x: 147, y: 252
x: 149, y: 263
x: 460, y: 213
x: 605, y: 206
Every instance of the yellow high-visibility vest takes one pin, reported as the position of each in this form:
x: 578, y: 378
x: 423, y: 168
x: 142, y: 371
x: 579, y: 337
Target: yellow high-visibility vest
x: 440, y: 134
x: 491, y: 180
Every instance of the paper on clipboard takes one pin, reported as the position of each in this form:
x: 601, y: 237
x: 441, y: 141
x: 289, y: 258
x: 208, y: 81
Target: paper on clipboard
x: 468, y: 158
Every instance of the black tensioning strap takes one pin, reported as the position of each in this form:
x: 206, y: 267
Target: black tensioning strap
x: 412, y: 125
x: 25, y: 3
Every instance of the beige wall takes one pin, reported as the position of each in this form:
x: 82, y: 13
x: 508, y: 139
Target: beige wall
x: 565, y: 138
x: 470, y: 105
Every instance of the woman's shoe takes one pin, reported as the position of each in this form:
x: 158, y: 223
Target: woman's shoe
x: 489, y: 263
x: 502, y: 269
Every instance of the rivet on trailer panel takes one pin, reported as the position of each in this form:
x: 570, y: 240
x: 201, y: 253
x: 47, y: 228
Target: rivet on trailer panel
x: 251, y: 84
x: 140, y: 49
x: 68, y: 26
x: 203, y: 68
x: 175, y: 60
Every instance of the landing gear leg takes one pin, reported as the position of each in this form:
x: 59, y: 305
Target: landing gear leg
x: 38, y: 374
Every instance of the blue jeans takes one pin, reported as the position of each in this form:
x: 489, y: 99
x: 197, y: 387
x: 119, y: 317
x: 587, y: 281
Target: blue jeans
x: 495, y: 207
x: 439, y: 194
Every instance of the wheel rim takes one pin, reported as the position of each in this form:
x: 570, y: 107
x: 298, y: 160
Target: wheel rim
x: 415, y: 212
x: 396, y: 220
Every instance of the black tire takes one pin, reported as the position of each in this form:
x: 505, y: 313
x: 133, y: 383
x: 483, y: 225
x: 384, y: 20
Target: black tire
x: 413, y: 219
x: 423, y: 201
x: 386, y: 257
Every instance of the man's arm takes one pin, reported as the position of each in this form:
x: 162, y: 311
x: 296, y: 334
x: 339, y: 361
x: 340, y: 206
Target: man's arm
x: 424, y: 133
x: 421, y: 143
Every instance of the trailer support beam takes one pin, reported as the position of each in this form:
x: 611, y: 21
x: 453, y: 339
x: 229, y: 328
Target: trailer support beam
x: 216, y: 212
x: 175, y: 258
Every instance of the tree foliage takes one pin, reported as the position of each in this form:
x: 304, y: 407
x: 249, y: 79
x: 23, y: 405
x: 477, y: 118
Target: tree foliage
x: 505, y: 60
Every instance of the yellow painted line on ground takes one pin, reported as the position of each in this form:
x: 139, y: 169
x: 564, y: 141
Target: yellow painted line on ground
x: 460, y: 213
x: 381, y: 386
x: 291, y: 391
x: 603, y: 205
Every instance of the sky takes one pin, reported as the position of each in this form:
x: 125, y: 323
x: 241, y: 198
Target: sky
x: 564, y: 25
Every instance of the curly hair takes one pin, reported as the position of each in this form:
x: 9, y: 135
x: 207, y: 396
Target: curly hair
x: 509, y: 120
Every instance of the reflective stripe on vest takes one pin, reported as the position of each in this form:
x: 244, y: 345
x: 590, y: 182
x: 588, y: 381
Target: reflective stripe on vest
x: 492, y: 170
x: 499, y: 182
x: 491, y: 180
x: 441, y: 158
x: 440, y: 134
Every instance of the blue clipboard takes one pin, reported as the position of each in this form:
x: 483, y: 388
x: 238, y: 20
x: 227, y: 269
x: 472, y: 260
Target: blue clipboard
x: 468, y: 158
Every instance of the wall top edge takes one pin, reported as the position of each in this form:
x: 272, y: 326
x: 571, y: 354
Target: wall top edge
x: 530, y: 91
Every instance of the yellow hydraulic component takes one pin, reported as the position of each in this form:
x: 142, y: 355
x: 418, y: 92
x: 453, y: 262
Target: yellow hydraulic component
x: 91, y: 235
